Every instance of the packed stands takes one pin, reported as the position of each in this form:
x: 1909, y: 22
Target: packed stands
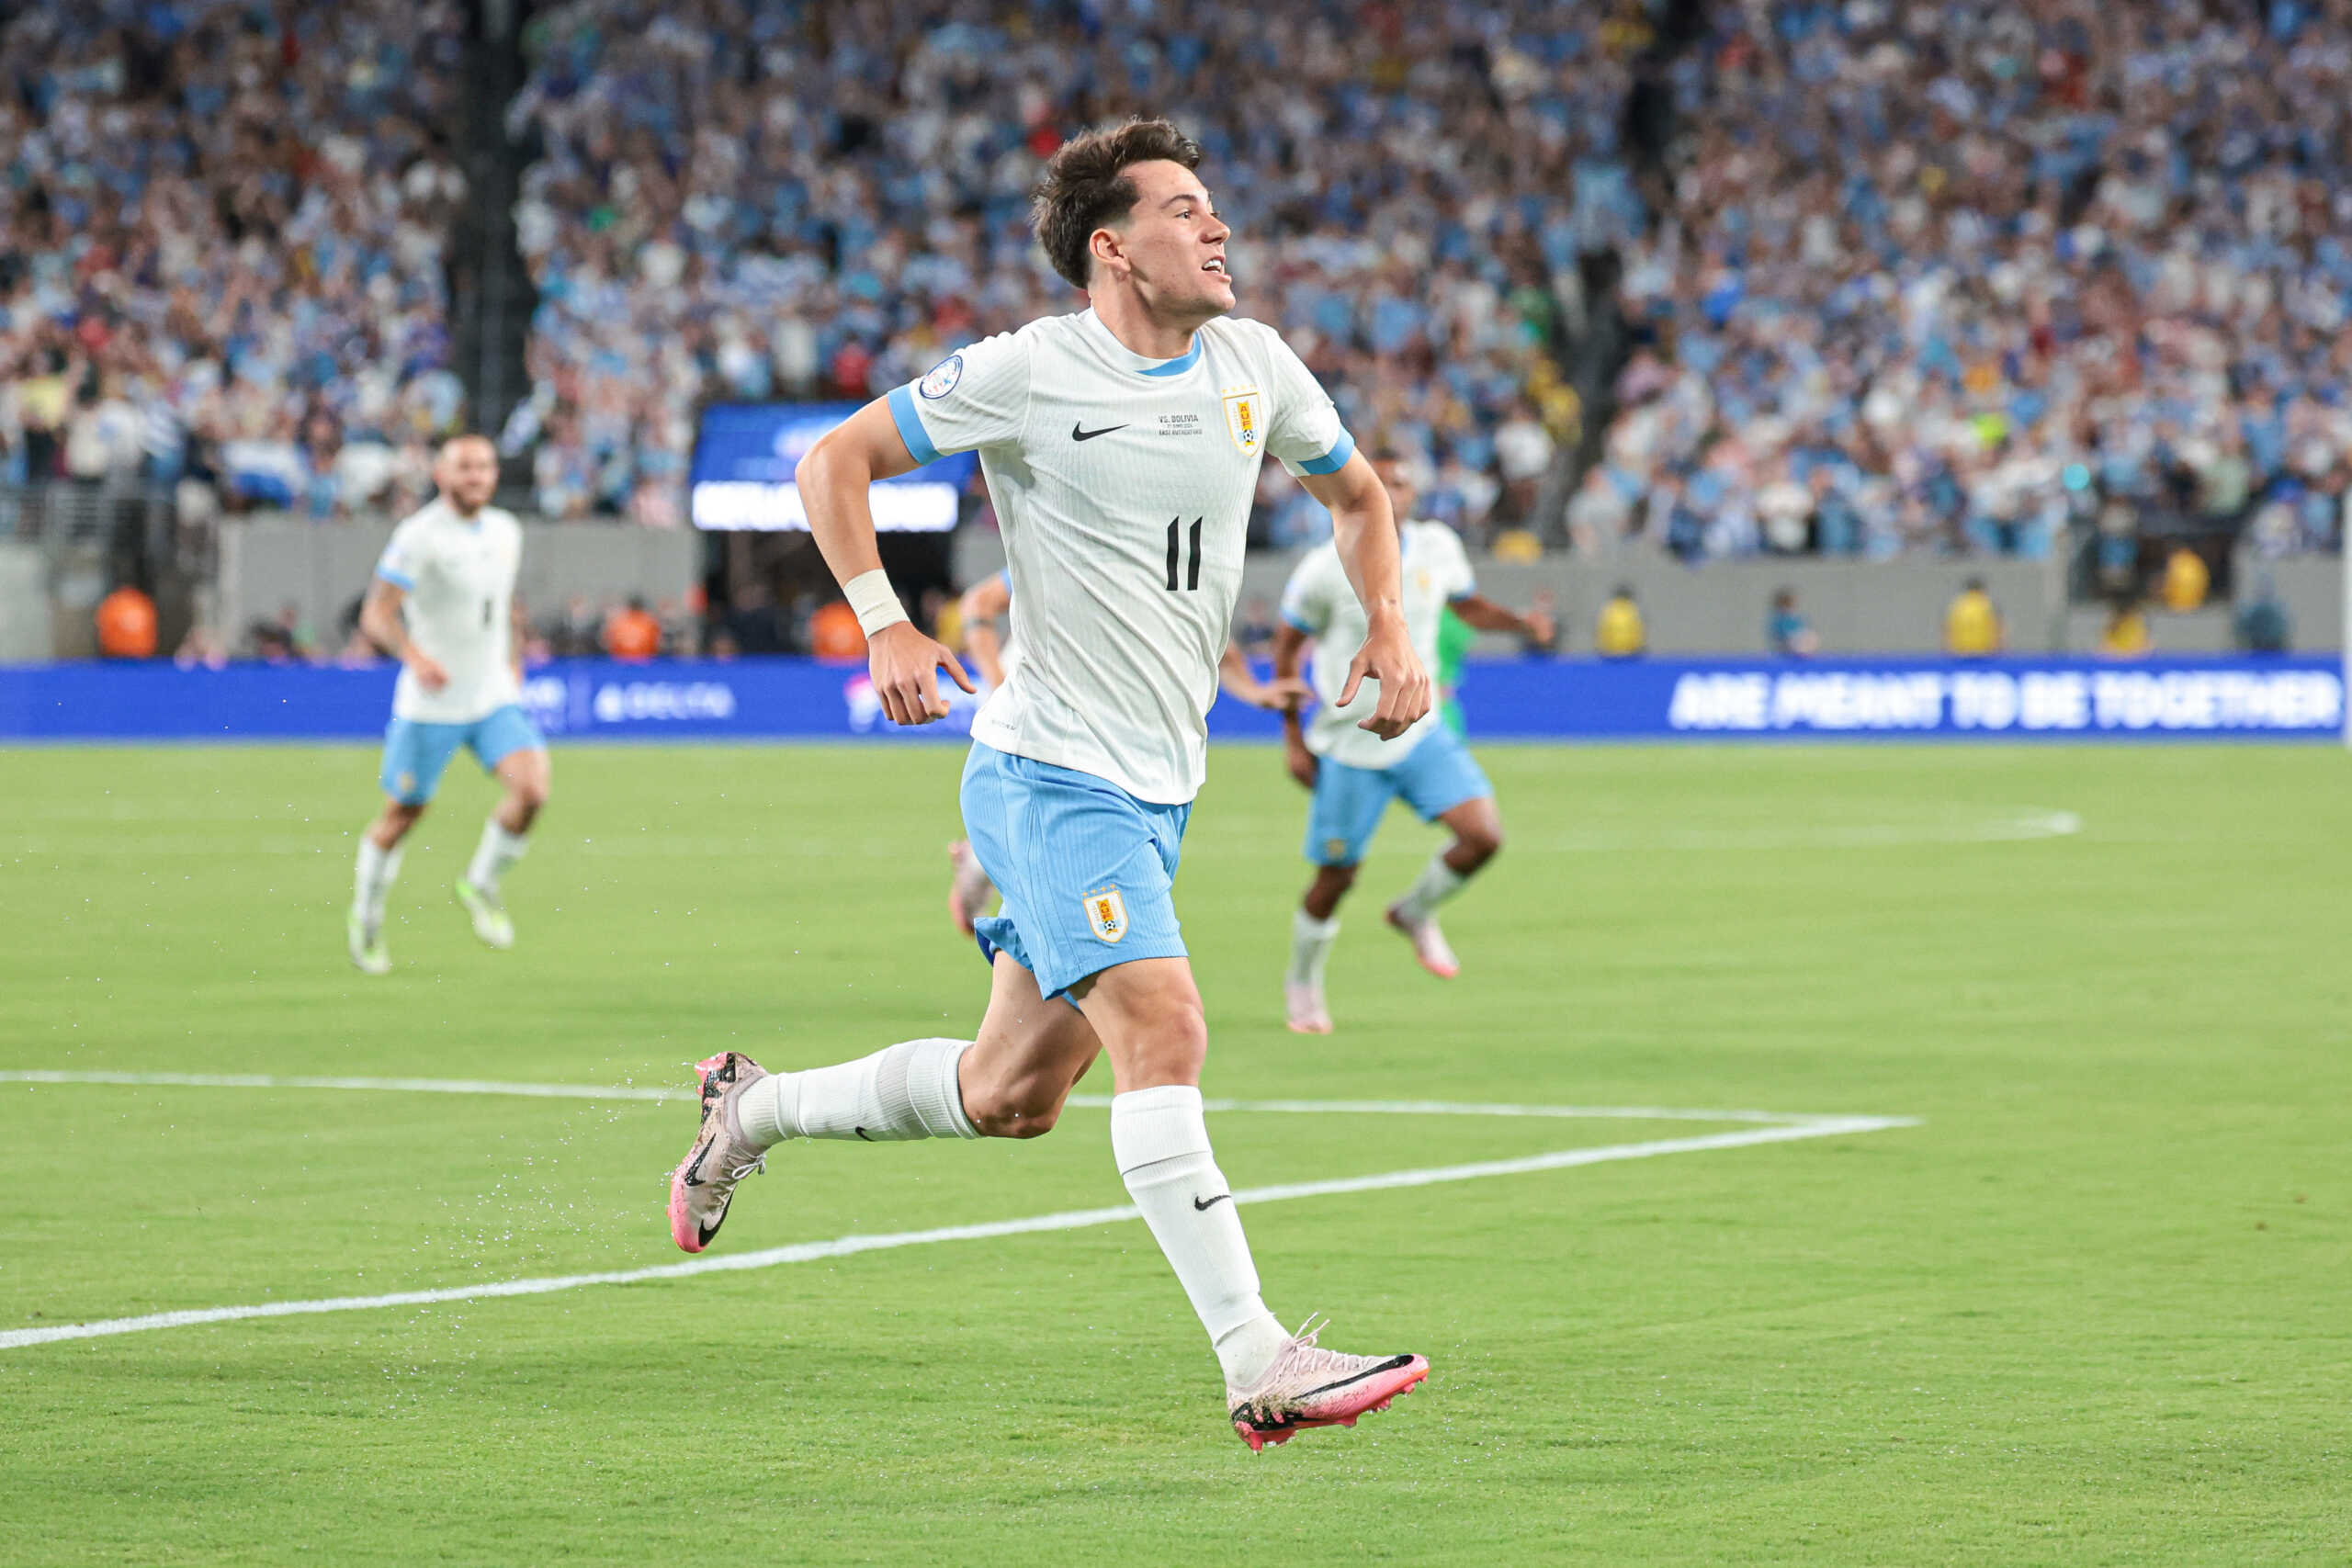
x: 1956, y: 277
x: 221, y: 237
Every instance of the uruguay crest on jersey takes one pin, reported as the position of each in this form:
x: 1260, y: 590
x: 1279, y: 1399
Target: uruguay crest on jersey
x: 1245, y: 418
x: 1106, y: 914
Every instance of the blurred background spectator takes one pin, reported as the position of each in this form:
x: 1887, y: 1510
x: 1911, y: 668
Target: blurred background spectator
x: 1972, y: 627
x: 1786, y: 631
x: 1618, y: 631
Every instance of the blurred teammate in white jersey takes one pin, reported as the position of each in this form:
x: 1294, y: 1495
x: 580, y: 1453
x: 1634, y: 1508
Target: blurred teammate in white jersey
x: 1354, y: 777
x: 443, y: 603
x: 1121, y: 446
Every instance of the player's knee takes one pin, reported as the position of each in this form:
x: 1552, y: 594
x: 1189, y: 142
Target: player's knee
x: 1027, y: 1110
x: 1482, y: 842
x: 393, y: 826
x: 1337, y: 878
x: 530, y: 791
x: 1174, y: 1045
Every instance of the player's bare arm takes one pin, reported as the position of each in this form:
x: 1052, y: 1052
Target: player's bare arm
x: 1482, y: 613
x: 521, y: 624
x: 1238, y: 681
x: 1290, y: 659
x: 1365, y: 529
x: 833, y: 478
x: 983, y: 604
x: 380, y: 623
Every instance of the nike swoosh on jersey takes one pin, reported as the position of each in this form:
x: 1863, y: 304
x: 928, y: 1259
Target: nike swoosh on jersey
x: 1078, y: 433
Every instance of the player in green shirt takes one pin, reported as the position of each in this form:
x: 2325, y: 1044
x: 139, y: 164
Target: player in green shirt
x: 1455, y: 637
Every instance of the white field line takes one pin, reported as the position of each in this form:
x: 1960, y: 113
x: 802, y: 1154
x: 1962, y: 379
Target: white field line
x: 1084, y: 1101
x: 844, y: 1247
x: 2011, y: 825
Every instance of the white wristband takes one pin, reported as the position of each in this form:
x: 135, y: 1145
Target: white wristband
x: 876, y: 604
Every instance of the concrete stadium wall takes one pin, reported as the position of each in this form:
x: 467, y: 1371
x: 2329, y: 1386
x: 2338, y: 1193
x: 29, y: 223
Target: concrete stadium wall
x: 2312, y: 588
x: 23, y: 602
x: 1855, y: 607
x: 269, y: 562
x: 1719, y: 608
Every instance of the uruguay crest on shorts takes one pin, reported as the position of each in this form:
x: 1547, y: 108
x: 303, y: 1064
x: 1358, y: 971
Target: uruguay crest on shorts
x: 1245, y: 418
x: 1106, y: 914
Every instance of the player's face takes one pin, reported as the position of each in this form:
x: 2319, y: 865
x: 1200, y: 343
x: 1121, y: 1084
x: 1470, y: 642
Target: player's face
x: 467, y: 472
x: 1173, y: 244
x: 1400, y: 480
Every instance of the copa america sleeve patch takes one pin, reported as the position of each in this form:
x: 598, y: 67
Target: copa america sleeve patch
x: 943, y: 376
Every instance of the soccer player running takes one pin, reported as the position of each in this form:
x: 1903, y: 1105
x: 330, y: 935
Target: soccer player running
x: 1355, y: 776
x: 443, y: 603
x: 1121, y: 446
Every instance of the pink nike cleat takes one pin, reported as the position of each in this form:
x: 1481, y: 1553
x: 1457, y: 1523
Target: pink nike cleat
x: 704, y: 1183
x: 1309, y: 1386
x: 1304, y: 1006
x: 968, y: 891
x: 1429, y: 943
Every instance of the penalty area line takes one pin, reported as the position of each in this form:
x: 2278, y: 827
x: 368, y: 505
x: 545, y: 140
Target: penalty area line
x: 849, y: 1245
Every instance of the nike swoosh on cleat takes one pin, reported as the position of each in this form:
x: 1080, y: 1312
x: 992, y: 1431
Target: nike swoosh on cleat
x: 1079, y: 433
x: 694, y: 1171
x: 1211, y: 1203
x: 1389, y: 1365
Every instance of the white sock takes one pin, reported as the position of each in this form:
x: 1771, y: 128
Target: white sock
x: 1437, y: 883
x: 907, y: 1090
x: 1310, y: 944
x: 372, y: 880
x: 1161, y: 1141
x: 498, y: 850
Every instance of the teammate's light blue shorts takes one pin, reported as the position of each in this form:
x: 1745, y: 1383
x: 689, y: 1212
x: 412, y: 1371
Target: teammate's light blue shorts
x: 415, y: 752
x: 1086, y: 870
x: 1435, y: 777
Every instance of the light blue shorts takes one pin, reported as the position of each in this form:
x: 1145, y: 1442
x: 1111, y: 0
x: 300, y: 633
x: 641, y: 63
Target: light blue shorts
x: 1435, y: 777
x: 415, y: 752
x: 1087, y: 871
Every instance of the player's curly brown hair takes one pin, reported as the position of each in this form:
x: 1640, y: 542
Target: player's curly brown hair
x: 1086, y: 185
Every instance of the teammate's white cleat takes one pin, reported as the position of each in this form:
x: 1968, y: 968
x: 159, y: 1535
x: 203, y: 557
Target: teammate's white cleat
x: 1309, y: 1386
x: 967, y: 893
x: 1429, y: 943
x: 704, y: 1183
x: 368, y: 953
x: 1304, y: 1006
x: 491, y: 922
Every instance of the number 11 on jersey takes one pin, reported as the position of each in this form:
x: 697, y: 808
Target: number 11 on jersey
x: 1191, y: 582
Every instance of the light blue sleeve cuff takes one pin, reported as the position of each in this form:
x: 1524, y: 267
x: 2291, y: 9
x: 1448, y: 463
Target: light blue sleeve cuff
x: 1299, y: 625
x: 405, y: 583
x: 909, y: 423
x: 1332, y: 462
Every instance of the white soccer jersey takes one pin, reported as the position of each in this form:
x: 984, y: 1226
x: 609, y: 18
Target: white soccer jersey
x: 1319, y: 603
x: 1123, y: 487
x: 459, y: 576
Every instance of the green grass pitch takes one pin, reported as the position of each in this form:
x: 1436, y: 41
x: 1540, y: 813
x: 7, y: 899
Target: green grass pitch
x: 2092, y: 1309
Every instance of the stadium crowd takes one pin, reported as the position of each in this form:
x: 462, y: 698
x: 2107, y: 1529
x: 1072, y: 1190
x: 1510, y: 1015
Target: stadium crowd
x: 735, y: 202
x: 1952, y: 277
x: 221, y: 237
